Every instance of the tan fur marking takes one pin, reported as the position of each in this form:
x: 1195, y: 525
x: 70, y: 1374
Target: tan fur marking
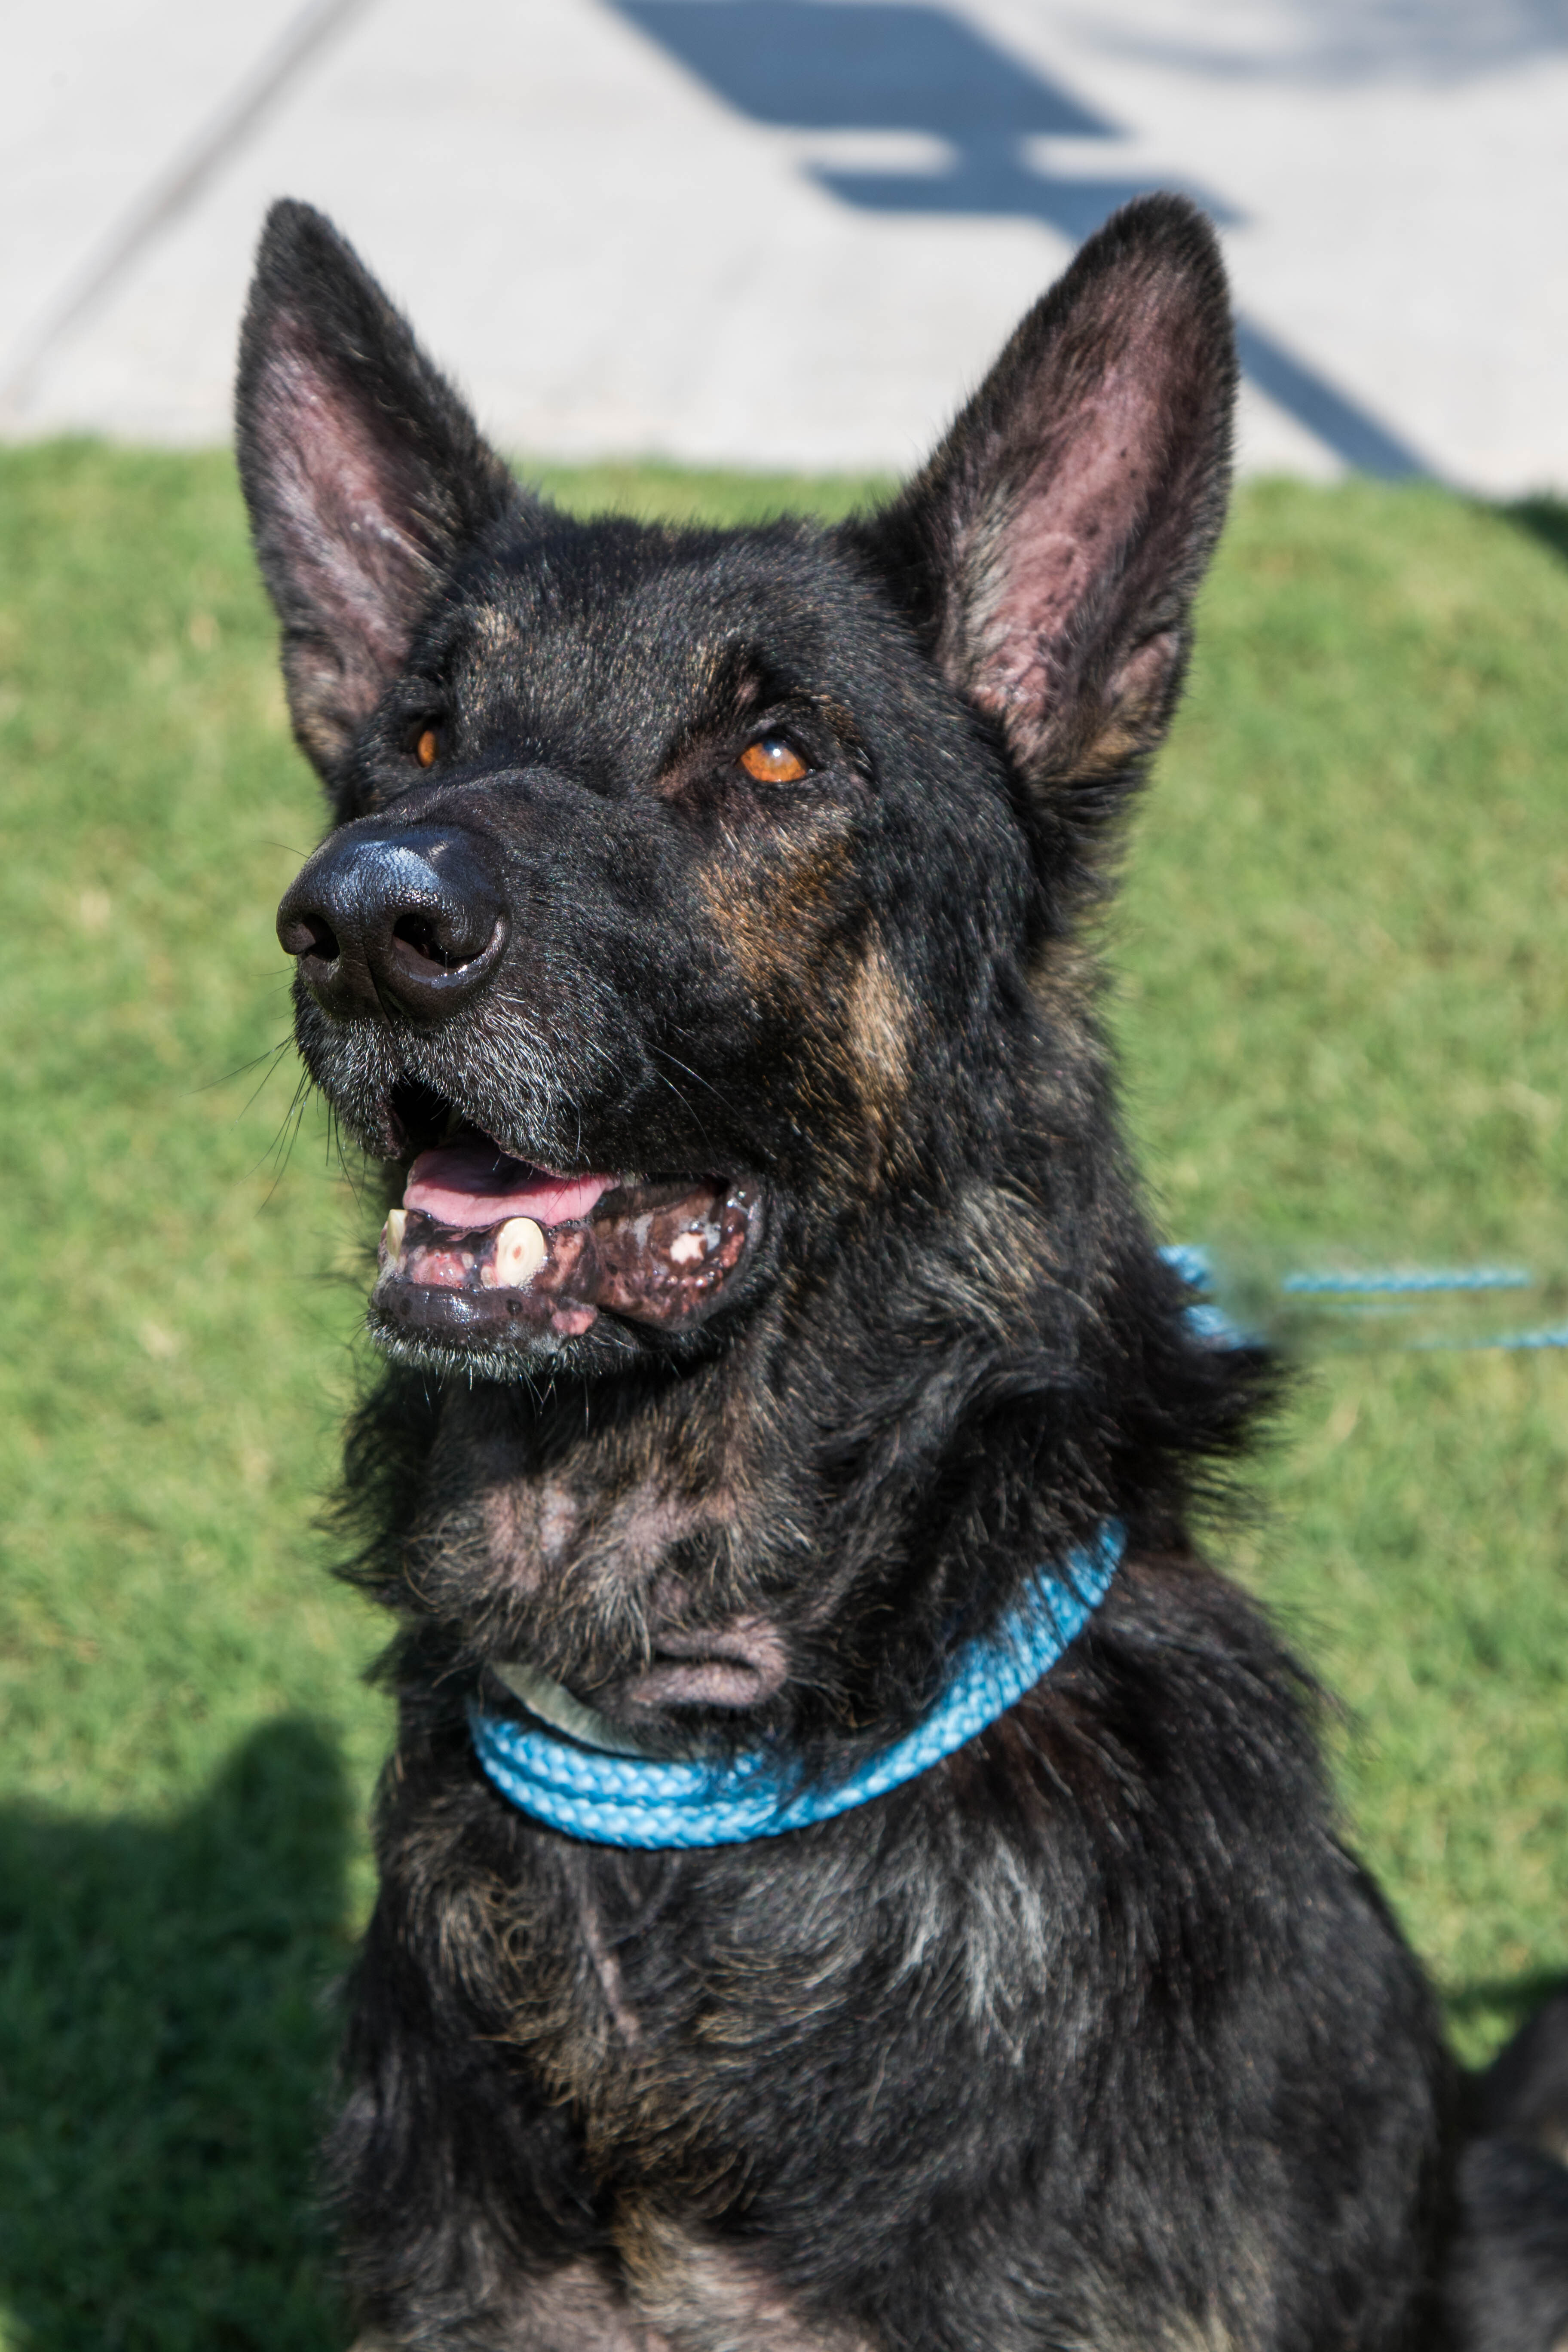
x: 771, y: 914
x: 877, y: 1023
x: 706, y: 2298
x: 576, y: 2308
x: 854, y: 1021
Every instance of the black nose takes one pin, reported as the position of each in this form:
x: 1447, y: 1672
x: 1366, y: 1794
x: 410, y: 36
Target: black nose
x: 389, y: 916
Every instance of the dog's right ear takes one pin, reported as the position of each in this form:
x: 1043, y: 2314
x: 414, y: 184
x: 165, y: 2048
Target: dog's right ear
x: 364, y: 474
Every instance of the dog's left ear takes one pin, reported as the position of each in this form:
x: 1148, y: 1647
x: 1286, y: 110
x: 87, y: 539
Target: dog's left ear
x: 1050, y: 550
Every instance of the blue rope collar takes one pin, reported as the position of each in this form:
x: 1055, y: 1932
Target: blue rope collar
x: 610, y: 1798
x: 592, y: 1784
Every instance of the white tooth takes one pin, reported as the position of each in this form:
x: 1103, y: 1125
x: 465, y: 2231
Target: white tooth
x: 519, y: 1252
x: 392, y: 1233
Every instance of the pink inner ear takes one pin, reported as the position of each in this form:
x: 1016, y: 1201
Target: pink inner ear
x: 1063, y: 536
x: 360, y: 573
x: 1106, y: 461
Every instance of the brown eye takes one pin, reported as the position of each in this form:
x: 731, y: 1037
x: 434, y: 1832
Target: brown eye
x: 426, y: 747
x: 773, y: 759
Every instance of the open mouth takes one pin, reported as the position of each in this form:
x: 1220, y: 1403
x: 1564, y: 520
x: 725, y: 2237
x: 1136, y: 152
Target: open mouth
x: 487, y: 1247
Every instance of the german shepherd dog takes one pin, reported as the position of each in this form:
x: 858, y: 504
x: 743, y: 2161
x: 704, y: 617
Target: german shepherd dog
x: 767, y: 1299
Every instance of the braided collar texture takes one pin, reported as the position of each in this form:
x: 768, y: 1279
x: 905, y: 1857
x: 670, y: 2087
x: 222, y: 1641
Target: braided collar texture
x: 610, y: 1798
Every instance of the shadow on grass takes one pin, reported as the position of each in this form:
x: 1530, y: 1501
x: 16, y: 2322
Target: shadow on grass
x: 165, y: 2054
x: 1544, y: 518
x: 1511, y: 2000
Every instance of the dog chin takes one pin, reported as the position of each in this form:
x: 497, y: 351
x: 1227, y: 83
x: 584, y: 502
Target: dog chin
x: 491, y: 1261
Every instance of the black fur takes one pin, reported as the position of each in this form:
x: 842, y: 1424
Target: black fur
x: 1094, y: 2036
x: 1510, y: 2279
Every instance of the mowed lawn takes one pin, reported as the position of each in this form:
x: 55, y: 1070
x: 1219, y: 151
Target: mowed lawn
x: 1339, y: 994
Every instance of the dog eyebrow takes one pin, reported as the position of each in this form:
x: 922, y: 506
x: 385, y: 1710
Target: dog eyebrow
x: 737, y: 681
x: 777, y: 690
x: 845, y: 727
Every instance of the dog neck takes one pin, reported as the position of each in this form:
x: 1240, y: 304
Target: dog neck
x: 592, y: 1785
x: 781, y: 1542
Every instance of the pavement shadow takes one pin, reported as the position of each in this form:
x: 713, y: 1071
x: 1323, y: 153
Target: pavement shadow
x: 1351, y: 43
x: 165, y: 2056
x: 833, y: 66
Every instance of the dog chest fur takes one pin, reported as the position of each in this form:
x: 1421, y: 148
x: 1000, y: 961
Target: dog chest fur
x: 1027, y: 1950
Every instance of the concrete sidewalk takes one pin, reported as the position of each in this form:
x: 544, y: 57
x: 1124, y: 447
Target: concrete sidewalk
x: 793, y: 232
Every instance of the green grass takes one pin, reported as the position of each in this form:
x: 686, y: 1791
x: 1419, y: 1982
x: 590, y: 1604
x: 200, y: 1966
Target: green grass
x: 1340, y: 1004
x: 1342, y: 1007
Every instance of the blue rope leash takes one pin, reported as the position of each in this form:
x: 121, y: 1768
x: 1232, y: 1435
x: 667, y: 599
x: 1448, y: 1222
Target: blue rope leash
x: 1357, y: 1294
x: 617, y: 1799
x: 1399, y: 1283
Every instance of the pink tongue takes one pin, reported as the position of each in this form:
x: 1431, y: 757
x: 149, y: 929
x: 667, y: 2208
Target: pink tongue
x: 469, y: 1185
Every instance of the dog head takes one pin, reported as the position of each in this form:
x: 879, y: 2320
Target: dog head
x: 698, y: 941
x: 691, y: 890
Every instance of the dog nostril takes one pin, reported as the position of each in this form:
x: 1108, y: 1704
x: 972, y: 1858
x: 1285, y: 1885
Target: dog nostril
x: 426, y: 944
x: 309, y: 935
x: 419, y: 947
